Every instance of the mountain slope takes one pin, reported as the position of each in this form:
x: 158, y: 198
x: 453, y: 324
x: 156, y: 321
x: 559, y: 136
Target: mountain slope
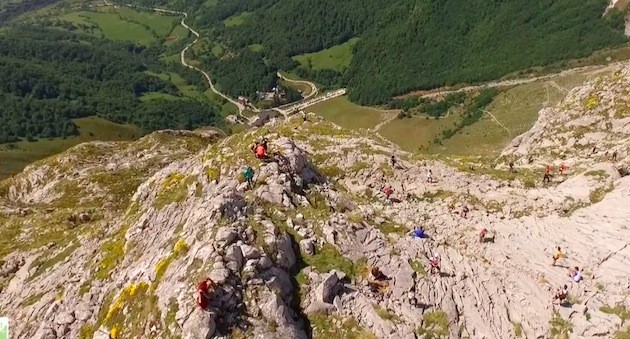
x: 111, y: 239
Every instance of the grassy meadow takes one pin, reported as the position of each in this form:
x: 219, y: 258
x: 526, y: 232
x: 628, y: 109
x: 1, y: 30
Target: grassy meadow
x: 336, y: 58
x: 16, y: 156
x: 347, y: 114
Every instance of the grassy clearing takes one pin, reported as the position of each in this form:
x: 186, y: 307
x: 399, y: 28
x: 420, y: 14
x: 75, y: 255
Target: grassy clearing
x: 434, y: 325
x: 158, y: 96
x: 179, y: 32
x: 16, y: 157
x: 125, y: 24
x: 336, y: 57
x: 559, y: 327
x: 237, y: 20
x: 347, y: 114
x: 324, y: 328
x: 327, y: 258
x: 415, y: 133
x: 302, y: 87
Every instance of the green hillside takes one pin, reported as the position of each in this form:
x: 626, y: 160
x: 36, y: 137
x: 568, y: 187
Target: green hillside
x: 405, y: 44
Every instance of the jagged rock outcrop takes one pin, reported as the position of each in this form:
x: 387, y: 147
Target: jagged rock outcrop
x: 112, y: 239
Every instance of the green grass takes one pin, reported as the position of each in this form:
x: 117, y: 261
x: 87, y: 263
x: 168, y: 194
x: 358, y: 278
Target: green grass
x: 347, y: 114
x: 256, y: 47
x: 327, y: 258
x: 559, y: 326
x: 415, y: 133
x: 619, y: 310
x: 155, y: 96
x: 518, y: 329
x: 386, y: 314
x: 144, y: 28
x: 236, y: 20
x: 324, y: 328
x: 434, y: 325
x: 335, y: 58
x: 305, y: 89
x: 91, y: 128
x: 517, y: 109
x: 160, y: 23
x: 180, y: 32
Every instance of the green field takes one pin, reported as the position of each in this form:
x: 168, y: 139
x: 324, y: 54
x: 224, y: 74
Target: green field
x: 236, y: 20
x: 179, y: 32
x: 336, y: 58
x: 517, y: 110
x: 414, y: 134
x: 305, y: 89
x: 125, y: 24
x: 14, y: 159
x: 347, y: 114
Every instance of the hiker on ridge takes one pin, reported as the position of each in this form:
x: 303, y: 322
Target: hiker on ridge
x: 248, y: 174
x: 482, y: 235
x: 204, y: 290
x: 388, y: 191
x: 430, y: 176
x: 575, y: 274
x: 434, y: 262
x: 464, y: 213
x: 418, y: 233
x: 547, y: 176
x: 561, y: 295
x: 557, y: 255
x: 563, y: 168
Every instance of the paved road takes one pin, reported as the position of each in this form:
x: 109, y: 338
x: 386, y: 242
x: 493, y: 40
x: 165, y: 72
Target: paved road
x: 310, y: 84
x: 310, y: 100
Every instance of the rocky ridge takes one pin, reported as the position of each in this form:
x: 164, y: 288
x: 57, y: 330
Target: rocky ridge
x: 110, y: 239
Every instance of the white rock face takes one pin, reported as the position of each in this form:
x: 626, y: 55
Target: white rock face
x: 112, y: 239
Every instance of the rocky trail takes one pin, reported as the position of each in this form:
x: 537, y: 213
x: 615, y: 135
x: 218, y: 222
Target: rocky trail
x: 146, y: 221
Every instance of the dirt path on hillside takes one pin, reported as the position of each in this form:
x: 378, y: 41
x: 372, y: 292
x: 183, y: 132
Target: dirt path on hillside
x: 507, y: 83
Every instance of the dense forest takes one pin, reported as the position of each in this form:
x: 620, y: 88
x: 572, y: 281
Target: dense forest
x: 51, y: 76
x: 406, y: 44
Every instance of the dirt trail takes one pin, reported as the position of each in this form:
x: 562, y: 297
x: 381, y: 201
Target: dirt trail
x: 508, y: 83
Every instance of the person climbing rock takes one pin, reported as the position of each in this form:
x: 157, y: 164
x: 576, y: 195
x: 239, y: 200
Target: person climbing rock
x: 204, y: 290
x: 614, y: 156
x: 377, y: 274
x: 418, y: 233
x: 264, y: 142
x: 260, y: 151
x: 388, y: 191
x: 511, y: 167
x: 430, y: 176
x: 563, y: 169
x: 379, y: 281
x: 547, y: 176
x: 393, y: 161
x: 557, y: 255
x: 434, y: 262
x: 482, y: 235
x: 561, y: 295
x: 575, y: 274
x: 248, y: 174
x: 464, y: 212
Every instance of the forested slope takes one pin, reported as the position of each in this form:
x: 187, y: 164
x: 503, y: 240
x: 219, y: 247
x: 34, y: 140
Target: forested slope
x: 51, y: 76
x: 406, y: 44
